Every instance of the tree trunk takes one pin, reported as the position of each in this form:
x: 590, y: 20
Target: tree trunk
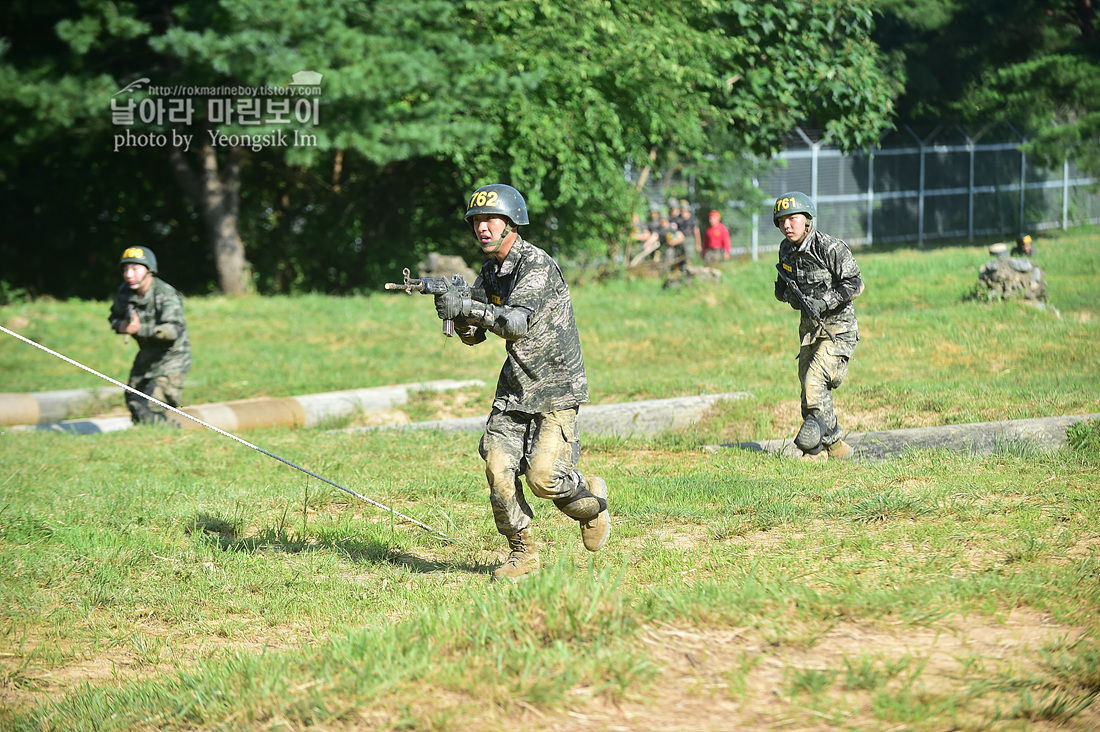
x: 643, y: 177
x: 218, y: 195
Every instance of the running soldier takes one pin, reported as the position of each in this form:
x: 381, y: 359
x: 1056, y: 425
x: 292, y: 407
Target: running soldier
x: 532, y: 428
x: 824, y: 270
x: 150, y: 310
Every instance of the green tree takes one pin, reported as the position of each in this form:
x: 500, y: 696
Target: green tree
x: 1034, y: 63
x: 422, y: 101
x: 389, y: 91
x: 650, y: 84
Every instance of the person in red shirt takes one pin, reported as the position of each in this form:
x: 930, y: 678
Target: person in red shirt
x: 716, y: 241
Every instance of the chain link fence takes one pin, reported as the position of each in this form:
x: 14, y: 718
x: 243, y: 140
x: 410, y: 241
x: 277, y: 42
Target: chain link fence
x: 920, y: 186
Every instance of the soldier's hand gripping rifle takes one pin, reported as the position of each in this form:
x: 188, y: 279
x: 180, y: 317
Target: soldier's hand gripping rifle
x: 437, y: 286
x: 807, y: 306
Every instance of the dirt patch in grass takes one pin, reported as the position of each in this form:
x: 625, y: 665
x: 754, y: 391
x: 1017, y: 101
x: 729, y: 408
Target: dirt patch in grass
x: 787, y: 416
x: 877, y: 419
x: 153, y: 648
x: 858, y: 675
x: 681, y: 538
x: 964, y: 671
x: 378, y: 419
x: 449, y: 404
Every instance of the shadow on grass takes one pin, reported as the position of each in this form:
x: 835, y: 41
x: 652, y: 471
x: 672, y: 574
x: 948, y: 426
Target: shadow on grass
x: 427, y: 566
x: 225, y: 535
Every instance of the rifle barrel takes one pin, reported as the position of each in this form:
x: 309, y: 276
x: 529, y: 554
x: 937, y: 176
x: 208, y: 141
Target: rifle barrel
x: 407, y: 287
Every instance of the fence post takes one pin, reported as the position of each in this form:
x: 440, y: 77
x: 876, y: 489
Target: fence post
x: 920, y: 191
x: 755, y: 222
x: 755, y: 236
x: 1065, y: 193
x: 870, y: 197
x: 1023, y: 175
x: 814, y: 147
x: 1023, y: 188
x: 969, y: 186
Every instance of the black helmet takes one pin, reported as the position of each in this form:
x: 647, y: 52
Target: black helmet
x: 140, y: 255
x: 1023, y: 245
x: 498, y: 199
x: 792, y: 203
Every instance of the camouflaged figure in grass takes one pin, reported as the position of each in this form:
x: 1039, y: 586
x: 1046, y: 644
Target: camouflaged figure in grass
x: 827, y: 274
x: 151, y: 310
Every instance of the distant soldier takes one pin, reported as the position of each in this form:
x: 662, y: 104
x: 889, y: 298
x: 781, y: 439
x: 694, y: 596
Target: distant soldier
x: 150, y: 310
x: 641, y: 233
x: 654, y: 222
x: 532, y: 429
x: 1024, y: 246
x: 1004, y: 277
x: 672, y: 241
x: 688, y: 224
x: 824, y: 270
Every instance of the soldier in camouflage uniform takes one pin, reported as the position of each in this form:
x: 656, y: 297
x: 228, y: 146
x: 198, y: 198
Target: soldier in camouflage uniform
x: 150, y: 310
x: 826, y: 272
x: 532, y: 429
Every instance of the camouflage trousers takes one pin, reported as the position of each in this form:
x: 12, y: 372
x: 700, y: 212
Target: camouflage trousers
x: 168, y: 389
x: 822, y: 367
x: 544, y: 448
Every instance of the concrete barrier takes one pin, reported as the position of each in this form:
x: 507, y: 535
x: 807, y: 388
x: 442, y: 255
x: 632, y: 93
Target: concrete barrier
x: 646, y: 418
x: 301, y: 411
x: 979, y: 438
x: 51, y: 406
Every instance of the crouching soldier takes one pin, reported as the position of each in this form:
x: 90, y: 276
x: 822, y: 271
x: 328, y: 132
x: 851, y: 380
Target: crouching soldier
x: 150, y: 310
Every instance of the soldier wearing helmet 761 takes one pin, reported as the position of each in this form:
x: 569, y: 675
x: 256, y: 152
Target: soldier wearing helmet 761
x: 824, y: 271
x: 532, y: 429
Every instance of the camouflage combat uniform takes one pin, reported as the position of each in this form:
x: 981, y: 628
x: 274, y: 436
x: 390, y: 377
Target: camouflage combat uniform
x: 824, y: 268
x: 164, y: 352
x: 532, y: 429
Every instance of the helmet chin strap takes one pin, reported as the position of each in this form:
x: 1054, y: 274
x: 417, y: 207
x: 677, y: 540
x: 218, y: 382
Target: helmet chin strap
x: 808, y: 230
x: 495, y: 244
x: 137, y: 285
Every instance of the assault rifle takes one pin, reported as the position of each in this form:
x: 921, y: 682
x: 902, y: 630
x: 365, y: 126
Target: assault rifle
x: 807, y: 306
x: 122, y: 324
x: 437, y: 286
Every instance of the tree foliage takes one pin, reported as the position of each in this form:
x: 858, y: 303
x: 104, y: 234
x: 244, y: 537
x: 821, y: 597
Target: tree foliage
x: 1034, y: 63
x: 422, y: 101
x: 809, y: 62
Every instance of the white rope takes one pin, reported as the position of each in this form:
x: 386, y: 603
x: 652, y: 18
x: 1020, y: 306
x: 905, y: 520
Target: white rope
x: 209, y: 426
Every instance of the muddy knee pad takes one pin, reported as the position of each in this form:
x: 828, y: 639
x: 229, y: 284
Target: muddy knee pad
x: 809, y: 435
x: 582, y: 505
x: 552, y: 455
x: 157, y: 392
x: 168, y: 389
x: 499, y: 469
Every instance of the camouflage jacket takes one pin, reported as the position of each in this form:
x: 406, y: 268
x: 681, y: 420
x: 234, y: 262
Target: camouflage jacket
x: 163, y: 347
x: 824, y: 268
x: 529, y: 306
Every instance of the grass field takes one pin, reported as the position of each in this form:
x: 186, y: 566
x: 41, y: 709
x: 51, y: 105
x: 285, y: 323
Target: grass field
x: 155, y: 579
